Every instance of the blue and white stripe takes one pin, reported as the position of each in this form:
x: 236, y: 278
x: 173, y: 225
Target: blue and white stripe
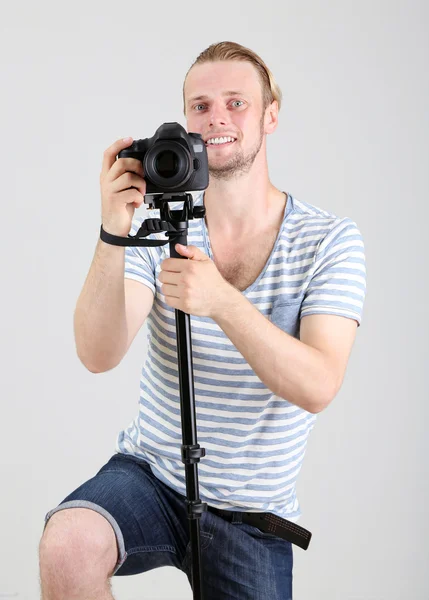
x: 255, y: 441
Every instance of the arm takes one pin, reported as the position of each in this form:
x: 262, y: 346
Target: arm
x: 109, y: 311
x: 307, y: 372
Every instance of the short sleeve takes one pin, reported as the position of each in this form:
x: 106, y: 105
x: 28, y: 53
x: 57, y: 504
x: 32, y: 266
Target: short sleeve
x: 338, y: 284
x: 140, y: 260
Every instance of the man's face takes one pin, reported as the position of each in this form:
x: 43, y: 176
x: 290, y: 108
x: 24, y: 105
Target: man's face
x: 224, y: 99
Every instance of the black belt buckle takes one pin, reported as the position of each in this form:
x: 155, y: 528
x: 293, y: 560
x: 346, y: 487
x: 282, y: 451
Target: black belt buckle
x: 283, y: 528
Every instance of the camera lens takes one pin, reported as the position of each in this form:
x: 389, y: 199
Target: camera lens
x: 168, y: 164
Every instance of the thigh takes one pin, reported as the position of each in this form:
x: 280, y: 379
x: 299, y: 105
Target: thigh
x: 148, y: 518
x: 241, y: 562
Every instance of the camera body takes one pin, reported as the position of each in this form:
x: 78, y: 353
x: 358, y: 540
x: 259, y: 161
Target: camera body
x: 174, y: 161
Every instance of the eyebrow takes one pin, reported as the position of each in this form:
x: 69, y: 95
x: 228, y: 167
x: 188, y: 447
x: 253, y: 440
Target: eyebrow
x: 228, y: 93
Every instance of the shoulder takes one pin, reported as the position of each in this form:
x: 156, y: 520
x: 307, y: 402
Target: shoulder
x: 305, y: 220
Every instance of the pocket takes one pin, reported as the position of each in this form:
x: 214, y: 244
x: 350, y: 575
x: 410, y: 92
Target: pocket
x: 286, y: 315
x: 274, y: 542
x: 206, y: 529
x: 206, y: 539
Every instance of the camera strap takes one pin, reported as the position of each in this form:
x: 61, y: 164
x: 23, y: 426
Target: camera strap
x: 148, y: 227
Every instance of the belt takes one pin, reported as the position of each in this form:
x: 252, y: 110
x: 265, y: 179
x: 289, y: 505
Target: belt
x: 270, y: 523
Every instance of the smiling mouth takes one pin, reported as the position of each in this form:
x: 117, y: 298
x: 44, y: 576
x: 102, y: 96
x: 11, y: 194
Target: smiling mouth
x: 222, y: 145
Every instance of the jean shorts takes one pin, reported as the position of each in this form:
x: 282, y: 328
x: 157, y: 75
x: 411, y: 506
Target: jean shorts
x: 152, y: 530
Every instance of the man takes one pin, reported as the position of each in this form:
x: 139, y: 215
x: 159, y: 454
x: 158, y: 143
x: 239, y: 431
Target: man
x: 275, y: 289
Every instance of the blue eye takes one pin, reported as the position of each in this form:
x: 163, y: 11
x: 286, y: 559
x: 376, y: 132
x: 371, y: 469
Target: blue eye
x: 198, y: 106
x: 234, y: 101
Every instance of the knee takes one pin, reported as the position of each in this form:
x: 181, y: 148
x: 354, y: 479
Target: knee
x: 77, y: 543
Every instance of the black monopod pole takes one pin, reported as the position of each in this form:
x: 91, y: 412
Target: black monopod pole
x: 175, y: 224
x: 191, y: 451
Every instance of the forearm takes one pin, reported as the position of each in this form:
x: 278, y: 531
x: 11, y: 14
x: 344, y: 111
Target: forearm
x: 289, y: 368
x: 100, y: 325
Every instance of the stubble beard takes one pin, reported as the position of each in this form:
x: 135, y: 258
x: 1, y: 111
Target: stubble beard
x: 239, y: 164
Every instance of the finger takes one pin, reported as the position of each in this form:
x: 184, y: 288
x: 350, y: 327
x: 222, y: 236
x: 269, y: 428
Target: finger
x: 110, y: 154
x: 169, y: 277
x: 170, y: 290
x: 129, y: 180
x: 122, y: 165
x: 173, y: 265
x: 192, y: 252
x: 181, y: 249
x: 131, y: 196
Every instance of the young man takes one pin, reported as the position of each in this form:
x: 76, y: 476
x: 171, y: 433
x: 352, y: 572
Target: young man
x: 275, y: 289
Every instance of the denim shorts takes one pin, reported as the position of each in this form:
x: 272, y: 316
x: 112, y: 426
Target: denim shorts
x: 152, y: 530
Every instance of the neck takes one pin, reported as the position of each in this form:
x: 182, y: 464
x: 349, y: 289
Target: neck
x: 242, y: 204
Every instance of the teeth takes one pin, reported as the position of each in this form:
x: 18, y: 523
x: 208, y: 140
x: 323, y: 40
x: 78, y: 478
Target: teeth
x: 220, y: 140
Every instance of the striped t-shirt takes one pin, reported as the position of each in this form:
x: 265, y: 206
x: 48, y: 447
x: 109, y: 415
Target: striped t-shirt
x: 255, y: 441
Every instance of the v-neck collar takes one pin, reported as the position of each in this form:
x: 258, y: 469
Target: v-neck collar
x: 208, y: 248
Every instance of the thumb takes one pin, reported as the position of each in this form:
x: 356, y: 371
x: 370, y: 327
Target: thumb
x: 191, y: 252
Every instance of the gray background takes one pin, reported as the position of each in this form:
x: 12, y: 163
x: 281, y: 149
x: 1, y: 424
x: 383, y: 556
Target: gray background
x: 352, y: 138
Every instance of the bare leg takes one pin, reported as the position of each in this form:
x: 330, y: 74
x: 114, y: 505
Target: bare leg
x: 77, y: 554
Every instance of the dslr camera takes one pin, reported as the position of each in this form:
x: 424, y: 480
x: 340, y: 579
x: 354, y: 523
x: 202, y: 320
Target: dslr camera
x: 174, y: 161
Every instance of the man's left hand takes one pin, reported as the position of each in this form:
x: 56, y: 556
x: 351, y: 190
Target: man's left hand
x: 194, y: 286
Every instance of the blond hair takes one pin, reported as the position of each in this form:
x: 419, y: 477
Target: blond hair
x: 233, y: 51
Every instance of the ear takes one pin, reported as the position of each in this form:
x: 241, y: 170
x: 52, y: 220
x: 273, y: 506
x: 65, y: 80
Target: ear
x: 271, y: 117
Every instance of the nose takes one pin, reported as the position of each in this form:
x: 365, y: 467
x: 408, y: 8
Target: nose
x: 218, y: 115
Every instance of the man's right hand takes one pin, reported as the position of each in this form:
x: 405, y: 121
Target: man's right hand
x: 122, y: 189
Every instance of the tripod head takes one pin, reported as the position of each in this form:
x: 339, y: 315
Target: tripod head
x: 173, y: 222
